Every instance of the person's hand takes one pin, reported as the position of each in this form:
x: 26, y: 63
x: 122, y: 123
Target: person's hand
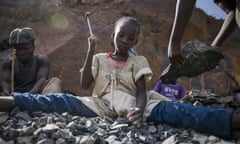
x: 135, y: 115
x: 175, y: 56
x: 92, y: 40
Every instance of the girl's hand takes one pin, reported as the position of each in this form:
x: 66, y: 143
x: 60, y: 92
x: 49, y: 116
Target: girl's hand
x: 135, y: 115
x: 92, y: 40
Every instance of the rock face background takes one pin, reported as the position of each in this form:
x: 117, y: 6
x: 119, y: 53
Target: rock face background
x: 61, y: 32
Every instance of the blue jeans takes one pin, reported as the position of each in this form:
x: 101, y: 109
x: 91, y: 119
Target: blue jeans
x: 53, y: 102
x: 200, y: 118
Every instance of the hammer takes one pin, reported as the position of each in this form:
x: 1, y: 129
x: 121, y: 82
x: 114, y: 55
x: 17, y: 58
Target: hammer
x: 87, y: 14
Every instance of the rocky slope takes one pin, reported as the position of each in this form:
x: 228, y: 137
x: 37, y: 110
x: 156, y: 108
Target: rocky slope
x: 62, y: 32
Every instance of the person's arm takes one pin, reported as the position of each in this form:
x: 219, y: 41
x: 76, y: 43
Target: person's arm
x: 42, y: 75
x: 136, y: 115
x: 86, y: 71
x: 6, y: 76
x: 182, y: 15
x: 229, y: 24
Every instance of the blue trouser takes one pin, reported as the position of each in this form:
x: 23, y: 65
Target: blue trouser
x: 200, y: 118
x: 55, y: 102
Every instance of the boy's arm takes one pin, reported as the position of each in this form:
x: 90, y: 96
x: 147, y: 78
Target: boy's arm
x: 182, y: 15
x: 229, y: 24
x: 86, y: 71
x: 6, y: 77
x: 42, y: 75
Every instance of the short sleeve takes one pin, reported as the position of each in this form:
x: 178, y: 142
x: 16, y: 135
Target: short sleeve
x: 157, y: 87
x: 141, y: 68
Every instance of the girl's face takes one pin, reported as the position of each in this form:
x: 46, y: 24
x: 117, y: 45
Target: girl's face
x: 124, y: 38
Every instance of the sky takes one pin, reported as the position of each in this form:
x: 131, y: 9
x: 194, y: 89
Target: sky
x: 211, y: 8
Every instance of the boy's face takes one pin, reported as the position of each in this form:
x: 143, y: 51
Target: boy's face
x: 24, y: 52
x: 125, y: 37
x: 168, y: 81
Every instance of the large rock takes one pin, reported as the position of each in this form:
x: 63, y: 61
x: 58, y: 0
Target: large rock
x: 199, y: 58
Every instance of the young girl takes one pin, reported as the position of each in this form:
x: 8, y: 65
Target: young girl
x: 119, y: 90
x: 119, y: 79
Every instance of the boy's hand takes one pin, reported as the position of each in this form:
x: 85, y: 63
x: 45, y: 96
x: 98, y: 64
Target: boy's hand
x: 135, y: 115
x: 175, y: 56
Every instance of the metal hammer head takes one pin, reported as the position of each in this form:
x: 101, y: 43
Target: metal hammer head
x: 87, y: 14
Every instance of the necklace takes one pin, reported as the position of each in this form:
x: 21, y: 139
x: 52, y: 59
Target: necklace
x: 115, y: 63
x: 119, y: 59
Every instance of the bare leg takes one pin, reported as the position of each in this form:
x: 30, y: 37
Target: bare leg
x: 235, y: 121
x: 6, y: 103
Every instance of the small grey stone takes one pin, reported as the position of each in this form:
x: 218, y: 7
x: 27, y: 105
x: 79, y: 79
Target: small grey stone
x: 61, y: 141
x: 101, y: 132
x: 129, y: 140
x: 50, y: 128
x: 200, y: 138
x: 37, y: 131
x: 212, y: 139
x: 46, y: 141
x: 24, y: 115
x: 15, y: 111
x: 88, y: 140
x: 42, y: 121
x: 170, y: 140
x: 152, y: 129
x: 63, y: 133
x: 118, y: 126
x: 91, y: 125
x: 2, y: 141
x: 49, y: 120
x: 111, y: 138
x: 26, y: 131
x: 77, y: 129
x: 9, y: 134
x: 21, y: 122
x: 3, y: 117
x: 24, y: 140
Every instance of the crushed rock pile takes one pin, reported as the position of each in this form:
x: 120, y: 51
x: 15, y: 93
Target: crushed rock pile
x: 53, y: 128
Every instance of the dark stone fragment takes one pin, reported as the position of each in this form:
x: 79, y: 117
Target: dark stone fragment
x: 199, y: 58
x: 9, y: 134
x: 15, y: 111
x: 92, y: 139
